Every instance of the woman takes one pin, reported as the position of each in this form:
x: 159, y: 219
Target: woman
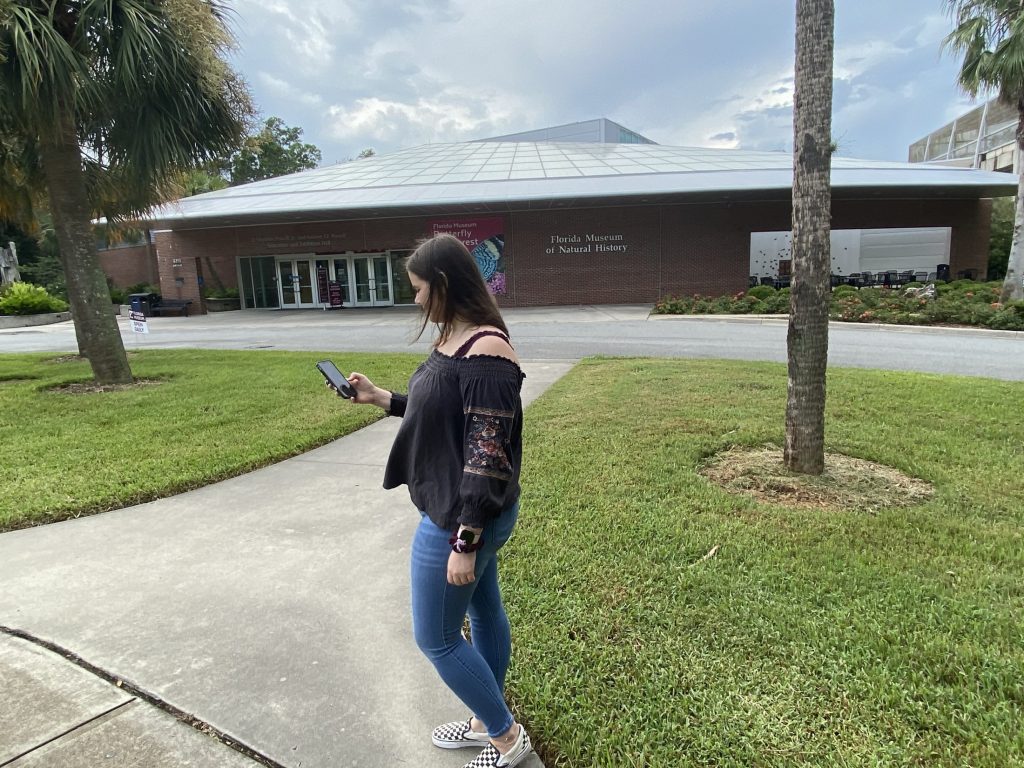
x: 459, y: 451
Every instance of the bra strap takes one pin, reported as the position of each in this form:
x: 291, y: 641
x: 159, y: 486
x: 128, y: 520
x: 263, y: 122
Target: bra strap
x: 461, y: 351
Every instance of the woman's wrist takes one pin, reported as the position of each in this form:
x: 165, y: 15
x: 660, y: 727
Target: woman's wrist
x: 466, y: 540
x: 382, y: 398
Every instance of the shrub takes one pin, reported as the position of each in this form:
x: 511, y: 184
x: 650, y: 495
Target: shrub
x: 869, y: 297
x: 761, y: 292
x: 28, y: 299
x: 1008, y: 319
x: 974, y: 304
x: 776, y: 305
x: 142, y: 288
x: 671, y: 305
x: 747, y: 305
x: 723, y: 305
x: 225, y: 293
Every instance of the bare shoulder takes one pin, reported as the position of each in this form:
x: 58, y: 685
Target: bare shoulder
x: 493, y: 345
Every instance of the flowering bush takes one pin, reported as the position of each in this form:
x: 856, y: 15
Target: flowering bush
x: 28, y: 299
x: 963, y: 302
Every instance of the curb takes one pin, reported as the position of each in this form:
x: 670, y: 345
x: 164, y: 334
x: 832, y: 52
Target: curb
x: 25, y: 321
x: 748, y: 319
x: 780, y: 319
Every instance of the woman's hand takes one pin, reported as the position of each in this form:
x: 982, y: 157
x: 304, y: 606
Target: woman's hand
x: 461, y: 568
x: 367, y: 393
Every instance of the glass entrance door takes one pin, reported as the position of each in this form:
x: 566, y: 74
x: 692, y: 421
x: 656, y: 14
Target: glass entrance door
x: 372, y: 281
x: 296, y: 284
x: 342, y: 278
x: 258, y: 282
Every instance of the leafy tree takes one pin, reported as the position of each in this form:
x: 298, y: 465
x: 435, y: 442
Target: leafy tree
x: 201, y: 180
x: 38, y: 254
x: 105, y: 103
x: 368, y: 152
x: 990, y: 35
x: 807, y: 340
x: 1001, y: 238
x: 276, y: 150
x: 24, y: 243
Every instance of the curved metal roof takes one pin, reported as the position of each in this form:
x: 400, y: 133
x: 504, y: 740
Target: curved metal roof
x: 478, y: 176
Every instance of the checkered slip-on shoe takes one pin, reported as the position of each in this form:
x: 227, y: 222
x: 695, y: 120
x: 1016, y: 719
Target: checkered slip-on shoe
x: 457, y: 735
x: 492, y: 758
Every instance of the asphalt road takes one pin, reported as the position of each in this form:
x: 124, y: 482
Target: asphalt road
x: 568, y: 333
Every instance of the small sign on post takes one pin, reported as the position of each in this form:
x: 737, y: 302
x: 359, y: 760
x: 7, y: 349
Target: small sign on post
x: 138, y: 321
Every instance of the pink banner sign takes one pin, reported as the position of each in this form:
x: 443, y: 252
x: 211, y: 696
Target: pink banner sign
x: 485, y: 239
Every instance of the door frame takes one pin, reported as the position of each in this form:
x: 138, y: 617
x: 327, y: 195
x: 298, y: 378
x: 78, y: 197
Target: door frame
x: 293, y: 259
x: 369, y: 259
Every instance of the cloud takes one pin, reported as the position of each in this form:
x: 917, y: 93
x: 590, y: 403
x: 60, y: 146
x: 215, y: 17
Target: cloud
x: 390, y: 122
x: 286, y: 91
x: 394, y: 73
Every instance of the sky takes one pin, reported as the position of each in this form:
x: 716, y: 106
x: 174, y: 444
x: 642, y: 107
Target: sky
x: 392, y: 74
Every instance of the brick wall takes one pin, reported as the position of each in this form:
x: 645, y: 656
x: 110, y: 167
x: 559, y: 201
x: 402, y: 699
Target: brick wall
x: 607, y: 256
x: 179, y: 269
x: 614, y: 255
x: 706, y: 250
x: 130, y: 265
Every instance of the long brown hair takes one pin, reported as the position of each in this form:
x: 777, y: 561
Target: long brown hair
x: 457, y: 289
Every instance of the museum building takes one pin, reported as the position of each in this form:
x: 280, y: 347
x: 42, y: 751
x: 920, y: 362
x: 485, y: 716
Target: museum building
x: 589, y: 213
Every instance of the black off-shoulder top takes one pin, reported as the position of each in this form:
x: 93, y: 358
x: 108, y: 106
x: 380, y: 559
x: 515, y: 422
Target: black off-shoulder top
x: 460, y: 446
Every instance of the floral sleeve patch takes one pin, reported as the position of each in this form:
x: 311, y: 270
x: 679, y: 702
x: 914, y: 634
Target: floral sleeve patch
x: 485, y: 446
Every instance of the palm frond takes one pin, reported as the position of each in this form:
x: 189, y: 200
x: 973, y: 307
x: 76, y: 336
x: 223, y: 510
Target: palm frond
x: 989, y: 34
x: 21, y: 182
x: 146, y: 83
x: 40, y: 70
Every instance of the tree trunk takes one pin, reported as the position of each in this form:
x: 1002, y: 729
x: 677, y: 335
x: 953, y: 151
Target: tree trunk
x: 807, y: 339
x: 1013, y: 284
x: 95, y: 325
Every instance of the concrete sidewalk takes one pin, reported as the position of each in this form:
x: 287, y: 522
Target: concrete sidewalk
x: 273, y: 606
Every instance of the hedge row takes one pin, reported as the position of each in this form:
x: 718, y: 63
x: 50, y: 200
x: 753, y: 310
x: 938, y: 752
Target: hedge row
x: 964, y: 302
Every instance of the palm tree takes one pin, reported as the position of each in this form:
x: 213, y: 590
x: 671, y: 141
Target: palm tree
x: 807, y: 340
x: 990, y: 35
x: 107, y: 102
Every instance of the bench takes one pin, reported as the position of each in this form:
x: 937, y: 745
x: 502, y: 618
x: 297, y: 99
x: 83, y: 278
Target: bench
x: 165, y: 306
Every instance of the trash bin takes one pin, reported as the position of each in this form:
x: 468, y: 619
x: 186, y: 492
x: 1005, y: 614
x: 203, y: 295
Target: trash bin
x: 142, y: 302
x: 942, y: 272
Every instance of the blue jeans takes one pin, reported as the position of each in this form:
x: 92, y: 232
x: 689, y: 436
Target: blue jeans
x: 475, y: 673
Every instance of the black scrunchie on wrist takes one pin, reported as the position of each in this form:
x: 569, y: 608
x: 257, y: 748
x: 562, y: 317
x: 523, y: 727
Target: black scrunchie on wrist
x: 461, y: 547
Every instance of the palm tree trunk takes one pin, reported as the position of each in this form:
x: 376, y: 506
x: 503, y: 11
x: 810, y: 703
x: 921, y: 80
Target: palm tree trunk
x: 807, y: 340
x: 1013, y: 284
x: 95, y: 325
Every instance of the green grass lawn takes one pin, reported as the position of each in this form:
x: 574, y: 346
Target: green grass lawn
x: 812, y: 638
x: 209, y: 415
x: 846, y: 638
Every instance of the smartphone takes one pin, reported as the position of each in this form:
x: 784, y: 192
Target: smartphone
x: 336, y: 378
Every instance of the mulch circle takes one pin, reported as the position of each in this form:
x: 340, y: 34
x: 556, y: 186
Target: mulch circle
x: 848, y: 483
x: 90, y: 387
